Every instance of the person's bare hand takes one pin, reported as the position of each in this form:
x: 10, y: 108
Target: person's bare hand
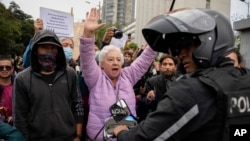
x: 91, y: 23
x: 144, y: 46
x: 3, y: 111
x: 151, y: 95
x: 108, y: 35
x: 10, y: 120
x: 38, y: 25
x: 119, y: 128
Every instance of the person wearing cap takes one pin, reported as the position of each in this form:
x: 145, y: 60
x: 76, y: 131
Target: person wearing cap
x: 206, y: 104
x: 47, y: 105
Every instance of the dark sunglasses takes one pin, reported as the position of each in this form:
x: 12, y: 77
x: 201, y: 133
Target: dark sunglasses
x: 8, y: 68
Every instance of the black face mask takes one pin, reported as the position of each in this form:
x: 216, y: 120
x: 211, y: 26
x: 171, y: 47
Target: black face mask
x: 47, y: 62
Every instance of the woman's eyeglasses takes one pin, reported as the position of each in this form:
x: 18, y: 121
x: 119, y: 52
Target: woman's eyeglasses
x: 8, y: 68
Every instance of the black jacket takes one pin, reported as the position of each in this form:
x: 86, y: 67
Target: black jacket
x: 159, y: 84
x: 186, y: 112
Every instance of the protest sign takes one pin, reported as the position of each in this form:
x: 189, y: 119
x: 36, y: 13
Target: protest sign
x: 59, y: 22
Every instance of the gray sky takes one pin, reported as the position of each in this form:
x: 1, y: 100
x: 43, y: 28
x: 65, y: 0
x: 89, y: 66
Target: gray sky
x: 32, y: 7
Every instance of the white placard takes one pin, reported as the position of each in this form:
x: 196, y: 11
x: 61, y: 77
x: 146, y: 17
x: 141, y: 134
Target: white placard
x: 60, y: 22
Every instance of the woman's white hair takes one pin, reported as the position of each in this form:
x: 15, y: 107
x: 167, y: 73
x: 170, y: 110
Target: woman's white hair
x: 107, y: 49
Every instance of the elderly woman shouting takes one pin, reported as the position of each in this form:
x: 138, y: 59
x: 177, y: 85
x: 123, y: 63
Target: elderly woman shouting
x: 107, y: 82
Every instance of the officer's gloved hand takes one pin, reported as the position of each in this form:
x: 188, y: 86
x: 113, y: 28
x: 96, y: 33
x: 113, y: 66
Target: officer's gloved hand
x: 110, y: 124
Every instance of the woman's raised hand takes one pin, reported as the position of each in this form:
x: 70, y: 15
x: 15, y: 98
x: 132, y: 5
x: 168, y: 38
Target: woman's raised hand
x: 91, y: 23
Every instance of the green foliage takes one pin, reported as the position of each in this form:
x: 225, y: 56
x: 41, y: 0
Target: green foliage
x: 100, y: 34
x: 27, y: 30
x: 133, y: 45
x: 19, y: 14
x: 9, y: 30
x: 237, y: 40
x: 16, y: 29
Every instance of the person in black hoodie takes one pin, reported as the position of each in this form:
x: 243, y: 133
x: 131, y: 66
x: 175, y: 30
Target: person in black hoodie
x: 47, y: 104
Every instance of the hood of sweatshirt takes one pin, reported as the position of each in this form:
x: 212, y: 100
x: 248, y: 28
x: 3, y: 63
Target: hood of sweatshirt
x: 47, y: 37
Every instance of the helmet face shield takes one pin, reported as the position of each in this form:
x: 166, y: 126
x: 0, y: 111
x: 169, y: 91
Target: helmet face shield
x: 192, y: 21
x: 181, y: 40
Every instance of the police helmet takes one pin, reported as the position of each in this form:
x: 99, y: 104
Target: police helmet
x: 209, y: 30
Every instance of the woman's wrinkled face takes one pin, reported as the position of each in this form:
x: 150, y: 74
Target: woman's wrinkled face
x: 112, y: 64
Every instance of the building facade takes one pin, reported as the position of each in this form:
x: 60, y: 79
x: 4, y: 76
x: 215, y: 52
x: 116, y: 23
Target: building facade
x: 243, y: 26
x: 118, y: 13
x: 147, y: 9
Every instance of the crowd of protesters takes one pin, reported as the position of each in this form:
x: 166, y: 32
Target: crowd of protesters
x: 43, y: 95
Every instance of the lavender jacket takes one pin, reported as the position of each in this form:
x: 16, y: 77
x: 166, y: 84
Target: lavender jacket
x: 102, y: 93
